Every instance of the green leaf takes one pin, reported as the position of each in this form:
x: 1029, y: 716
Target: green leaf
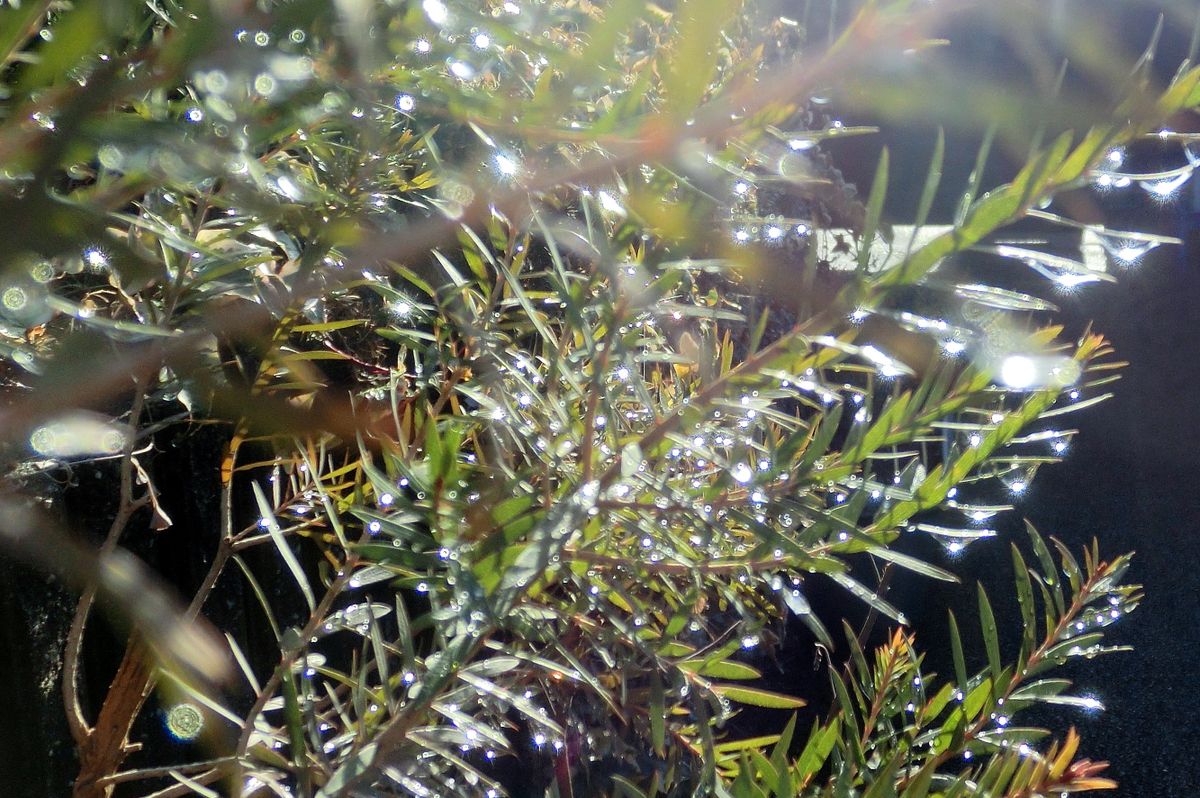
x: 871, y: 597
x: 1025, y: 600
x: 987, y: 621
x: 779, y: 759
x: 978, y: 699
x: 76, y: 33
x: 960, y: 667
x: 920, y: 784
x: 18, y: 21
x: 626, y: 788
x: 1073, y: 647
x: 518, y: 702
x: 820, y: 440
x: 976, y: 176
x: 295, y: 726
x: 913, y: 564
x: 1070, y: 566
x: 816, y: 751
x: 699, y: 25
x: 874, y: 210
x: 546, y: 540
x: 1049, y: 571
x: 933, y: 179
x: 281, y: 544
x: 857, y: 655
x: 721, y: 669
x: 658, y: 713
x: 328, y: 326
x: 935, y: 705
x: 849, y: 718
x: 764, y: 769
x: 758, y: 698
x: 1040, y: 690
x: 733, y: 746
x: 884, y: 785
x: 1033, y: 180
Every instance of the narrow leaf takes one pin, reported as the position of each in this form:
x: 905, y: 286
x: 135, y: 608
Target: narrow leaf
x: 874, y: 210
x: 757, y: 697
x: 285, y: 551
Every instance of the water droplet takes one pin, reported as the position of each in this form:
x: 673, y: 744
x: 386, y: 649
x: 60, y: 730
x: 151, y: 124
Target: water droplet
x: 610, y: 203
x: 507, y: 165
x: 1165, y: 188
x: 184, y: 722
x: 14, y: 298
x: 78, y: 435
x: 264, y: 84
x: 462, y: 70
x: 95, y: 258
x: 111, y: 157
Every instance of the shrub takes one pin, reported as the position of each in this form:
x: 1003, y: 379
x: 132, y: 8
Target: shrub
x: 557, y: 368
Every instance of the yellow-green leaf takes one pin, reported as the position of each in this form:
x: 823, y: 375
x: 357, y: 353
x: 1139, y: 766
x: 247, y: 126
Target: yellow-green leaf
x: 758, y: 698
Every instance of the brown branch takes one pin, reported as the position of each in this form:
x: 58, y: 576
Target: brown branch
x: 105, y: 747
x: 140, y: 774
x: 76, y: 721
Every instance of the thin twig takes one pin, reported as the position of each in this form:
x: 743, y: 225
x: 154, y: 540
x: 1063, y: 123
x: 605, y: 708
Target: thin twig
x: 149, y: 773
x: 178, y: 790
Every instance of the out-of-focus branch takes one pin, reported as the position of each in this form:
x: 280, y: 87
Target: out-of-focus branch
x: 127, y: 585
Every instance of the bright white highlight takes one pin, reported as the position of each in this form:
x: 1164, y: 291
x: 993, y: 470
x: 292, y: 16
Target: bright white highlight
x: 1018, y: 371
x: 436, y: 11
x: 507, y: 165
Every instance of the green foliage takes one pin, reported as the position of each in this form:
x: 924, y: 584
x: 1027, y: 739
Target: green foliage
x: 550, y: 415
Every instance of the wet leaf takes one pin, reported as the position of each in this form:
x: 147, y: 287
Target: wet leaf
x: 757, y: 697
